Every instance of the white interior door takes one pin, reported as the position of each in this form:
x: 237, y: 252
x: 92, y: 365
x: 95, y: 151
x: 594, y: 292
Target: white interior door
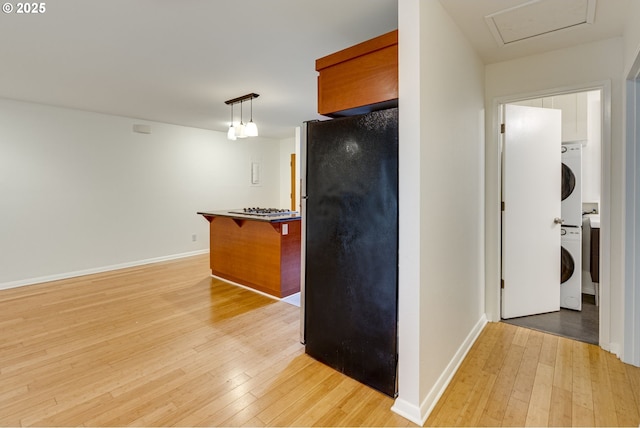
x: 532, y: 210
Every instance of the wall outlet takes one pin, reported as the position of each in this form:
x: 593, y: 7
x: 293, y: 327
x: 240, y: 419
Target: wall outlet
x: 194, y: 237
x: 285, y: 229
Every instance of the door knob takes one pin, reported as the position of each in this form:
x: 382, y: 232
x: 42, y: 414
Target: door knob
x: 558, y: 220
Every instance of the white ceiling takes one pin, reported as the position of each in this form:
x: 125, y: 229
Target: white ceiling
x: 177, y: 61
x: 470, y: 16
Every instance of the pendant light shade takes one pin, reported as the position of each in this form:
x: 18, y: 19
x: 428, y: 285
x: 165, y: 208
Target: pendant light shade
x: 231, y: 133
x: 242, y: 130
x: 251, y: 129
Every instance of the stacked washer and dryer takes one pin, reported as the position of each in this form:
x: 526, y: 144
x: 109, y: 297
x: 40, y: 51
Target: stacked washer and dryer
x: 571, y: 234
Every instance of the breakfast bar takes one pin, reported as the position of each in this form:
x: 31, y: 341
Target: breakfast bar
x: 256, y: 248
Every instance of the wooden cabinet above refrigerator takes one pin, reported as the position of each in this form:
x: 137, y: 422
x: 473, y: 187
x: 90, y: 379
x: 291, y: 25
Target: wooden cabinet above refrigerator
x: 359, y: 79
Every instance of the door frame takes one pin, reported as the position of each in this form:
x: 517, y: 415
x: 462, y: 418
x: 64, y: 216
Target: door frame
x: 293, y: 195
x: 493, y: 212
x: 631, y: 352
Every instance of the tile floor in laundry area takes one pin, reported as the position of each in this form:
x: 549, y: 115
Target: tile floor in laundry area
x: 580, y: 325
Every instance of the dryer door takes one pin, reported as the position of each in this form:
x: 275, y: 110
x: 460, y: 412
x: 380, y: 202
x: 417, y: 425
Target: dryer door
x: 568, y: 182
x: 567, y: 265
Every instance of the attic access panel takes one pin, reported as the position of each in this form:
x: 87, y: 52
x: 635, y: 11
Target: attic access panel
x: 538, y: 17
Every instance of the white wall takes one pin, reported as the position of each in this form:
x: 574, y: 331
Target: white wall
x: 81, y: 192
x: 441, y: 301
x: 581, y: 65
x: 631, y: 36
x: 287, y: 147
x: 592, y: 152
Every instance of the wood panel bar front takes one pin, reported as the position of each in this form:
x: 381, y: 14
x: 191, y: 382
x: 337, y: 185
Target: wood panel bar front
x: 259, y: 254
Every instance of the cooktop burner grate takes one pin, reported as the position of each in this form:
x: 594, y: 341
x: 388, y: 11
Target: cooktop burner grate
x: 263, y: 211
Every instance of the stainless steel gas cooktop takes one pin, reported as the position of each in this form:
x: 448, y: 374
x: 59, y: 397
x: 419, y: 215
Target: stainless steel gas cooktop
x: 265, y: 212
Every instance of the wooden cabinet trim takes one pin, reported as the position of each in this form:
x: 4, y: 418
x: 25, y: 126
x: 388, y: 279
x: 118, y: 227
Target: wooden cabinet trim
x: 365, y: 80
x: 364, y: 48
x: 360, y: 78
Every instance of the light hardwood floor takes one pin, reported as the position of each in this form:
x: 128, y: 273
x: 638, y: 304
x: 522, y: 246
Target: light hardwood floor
x: 166, y: 345
x: 514, y: 376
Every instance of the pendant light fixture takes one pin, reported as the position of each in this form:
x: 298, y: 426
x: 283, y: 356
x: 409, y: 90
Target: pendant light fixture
x: 231, y: 133
x: 242, y: 130
x: 251, y: 129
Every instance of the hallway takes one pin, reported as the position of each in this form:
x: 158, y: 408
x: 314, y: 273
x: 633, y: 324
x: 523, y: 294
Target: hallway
x: 515, y: 377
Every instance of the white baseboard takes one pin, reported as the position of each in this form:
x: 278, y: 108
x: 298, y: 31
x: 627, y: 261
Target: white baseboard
x: 419, y: 414
x: 408, y: 411
x: 615, y: 348
x: 67, y: 275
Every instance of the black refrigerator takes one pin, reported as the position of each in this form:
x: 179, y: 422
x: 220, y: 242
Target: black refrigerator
x: 350, y: 254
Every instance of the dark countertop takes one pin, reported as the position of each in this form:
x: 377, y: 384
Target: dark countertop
x: 237, y: 213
